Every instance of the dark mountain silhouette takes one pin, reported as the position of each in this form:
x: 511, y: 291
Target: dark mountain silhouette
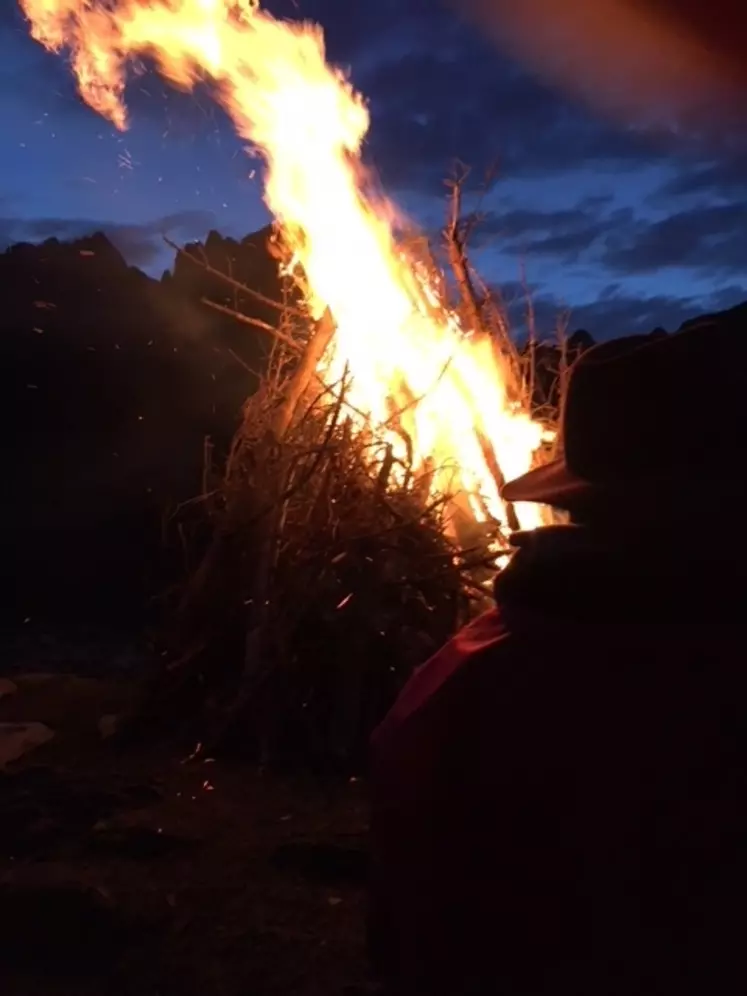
x: 736, y: 317
x: 110, y: 382
x: 249, y: 262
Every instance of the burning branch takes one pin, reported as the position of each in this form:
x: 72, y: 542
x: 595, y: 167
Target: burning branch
x: 305, y: 373
x: 456, y: 233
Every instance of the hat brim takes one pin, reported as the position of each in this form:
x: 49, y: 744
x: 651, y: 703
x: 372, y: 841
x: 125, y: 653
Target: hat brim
x: 552, y: 484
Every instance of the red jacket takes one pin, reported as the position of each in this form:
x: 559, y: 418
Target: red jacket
x: 559, y: 794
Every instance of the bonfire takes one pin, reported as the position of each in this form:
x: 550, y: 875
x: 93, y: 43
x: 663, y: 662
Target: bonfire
x: 360, y: 511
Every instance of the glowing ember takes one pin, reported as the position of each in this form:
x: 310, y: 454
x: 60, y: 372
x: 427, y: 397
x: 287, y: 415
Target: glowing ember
x: 304, y: 117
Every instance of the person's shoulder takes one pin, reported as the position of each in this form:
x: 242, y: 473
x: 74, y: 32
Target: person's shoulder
x: 486, y: 632
x: 488, y: 637
x: 476, y: 643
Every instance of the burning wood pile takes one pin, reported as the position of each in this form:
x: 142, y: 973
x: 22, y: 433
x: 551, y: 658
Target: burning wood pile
x: 360, y: 510
x: 337, y: 566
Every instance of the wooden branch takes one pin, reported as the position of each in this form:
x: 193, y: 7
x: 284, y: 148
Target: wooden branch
x: 499, y: 325
x: 255, y: 323
x: 207, y: 464
x: 455, y: 236
x: 455, y: 248
x: 532, y: 328
x: 563, y: 373
x: 231, y: 282
x: 305, y: 373
x: 242, y: 363
x: 322, y: 450
x: 494, y: 467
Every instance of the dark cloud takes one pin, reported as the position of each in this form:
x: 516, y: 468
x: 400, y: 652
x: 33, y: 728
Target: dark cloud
x: 350, y: 27
x: 567, y: 234
x: 729, y: 296
x: 464, y: 101
x: 565, y: 247
x: 437, y: 91
x: 139, y: 244
x: 722, y: 178
x: 710, y: 239
x: 495, y: 228
x: 451, y: 93
x: 617, y: 312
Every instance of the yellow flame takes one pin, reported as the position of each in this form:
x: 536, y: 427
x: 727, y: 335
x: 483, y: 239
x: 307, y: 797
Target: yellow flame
x: 393, y: 336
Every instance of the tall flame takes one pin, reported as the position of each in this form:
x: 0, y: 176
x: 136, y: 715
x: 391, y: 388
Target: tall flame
x: 392, y: 334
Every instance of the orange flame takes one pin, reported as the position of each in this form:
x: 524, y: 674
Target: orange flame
x: 393, y: 335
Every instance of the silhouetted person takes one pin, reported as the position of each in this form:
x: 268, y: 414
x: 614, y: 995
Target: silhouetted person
x: 559, y: 794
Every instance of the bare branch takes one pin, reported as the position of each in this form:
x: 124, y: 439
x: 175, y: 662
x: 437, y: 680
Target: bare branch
x: 532, y: 329
x: 234, y: 355
x: 230, y: 281
x: 256, y: 323
x: 456, y: 249
x: 305, y: 372
x: 498, y: 476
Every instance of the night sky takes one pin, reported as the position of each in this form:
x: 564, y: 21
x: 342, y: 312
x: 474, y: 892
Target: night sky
x: 627, y: 227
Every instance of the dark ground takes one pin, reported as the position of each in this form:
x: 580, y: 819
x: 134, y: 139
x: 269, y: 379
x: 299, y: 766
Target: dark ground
x: 140, y: 872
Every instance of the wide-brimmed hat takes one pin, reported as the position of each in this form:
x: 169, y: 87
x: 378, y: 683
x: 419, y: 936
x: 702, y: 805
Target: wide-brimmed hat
x: 649, y: 412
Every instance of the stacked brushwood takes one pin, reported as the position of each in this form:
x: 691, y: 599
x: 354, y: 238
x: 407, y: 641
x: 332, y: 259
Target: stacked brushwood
x: 328, y: 577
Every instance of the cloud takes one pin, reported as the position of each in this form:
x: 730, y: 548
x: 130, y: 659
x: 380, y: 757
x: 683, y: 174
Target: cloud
x: 449, y: 93
x: 565, y: 234
x: 709, y: 239
x: 463, y: 101
x: 617, y: 312
x: 437, y: 91
x: 725, y: 177
x: 140, y: 244
x: 729, y: 296
x: 349, y: 27
x: 706, y: 239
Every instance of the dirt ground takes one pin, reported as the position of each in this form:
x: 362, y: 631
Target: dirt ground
x: 142, y: 873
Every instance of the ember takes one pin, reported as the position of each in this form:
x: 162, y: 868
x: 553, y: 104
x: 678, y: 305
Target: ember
x: 439, y: 398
